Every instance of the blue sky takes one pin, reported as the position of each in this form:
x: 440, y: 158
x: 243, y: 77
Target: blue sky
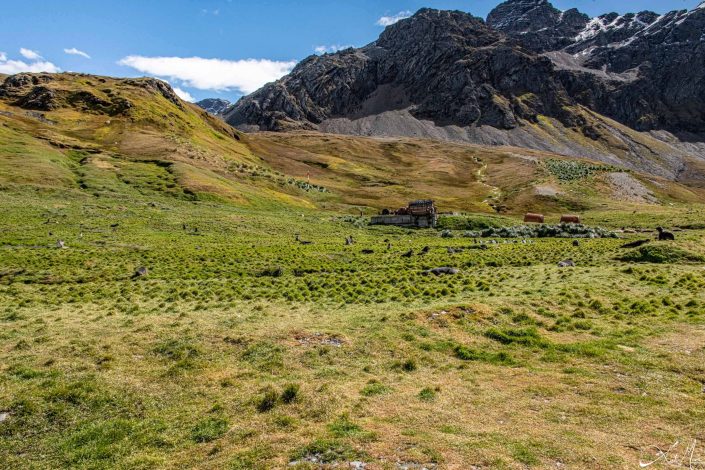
x: 254, y: 41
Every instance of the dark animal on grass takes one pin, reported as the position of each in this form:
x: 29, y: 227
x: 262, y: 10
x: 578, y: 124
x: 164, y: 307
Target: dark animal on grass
x: 442, y: 271
x: 635, y: 244
x: 140, y: 272
x: 273, y: 272
x: 408, y: 254
x: 568, y: 263
x: 576, y: 242
x: 367, y: 251
x: 303, y: 242
x: 663, y: 235
x: 425, y: 250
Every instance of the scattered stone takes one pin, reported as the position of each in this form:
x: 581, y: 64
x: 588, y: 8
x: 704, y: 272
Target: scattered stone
x: 60, y: 244
x: 442, y: 271
x: 416, y: 466
x: 568, y: 263
x: 318, y: 338
x: 4, y: 415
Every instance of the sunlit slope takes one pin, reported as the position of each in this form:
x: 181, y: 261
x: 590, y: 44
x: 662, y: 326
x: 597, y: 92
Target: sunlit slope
x: 104, y: 134
x: 387, y: 172
x: 101, y: 135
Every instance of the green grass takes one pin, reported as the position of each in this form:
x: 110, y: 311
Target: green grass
x: 242, y: 348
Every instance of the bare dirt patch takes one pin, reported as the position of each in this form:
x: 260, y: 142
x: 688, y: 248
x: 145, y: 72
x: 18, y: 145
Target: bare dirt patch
x: 628, y: 188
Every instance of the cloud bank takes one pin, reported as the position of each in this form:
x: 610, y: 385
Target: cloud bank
x: 184, y: 95
x: 30, y: 54
x: 244, y: 76
x: 390, y: 20
x: 74, y: 51
x: 330, y: 49
x: 36, y: 64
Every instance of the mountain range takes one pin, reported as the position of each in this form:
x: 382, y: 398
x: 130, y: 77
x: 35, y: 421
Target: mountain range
x: 627, y: 89
x: 215, y: 106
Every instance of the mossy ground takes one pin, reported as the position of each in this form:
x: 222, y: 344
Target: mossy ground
x: 213, y: 361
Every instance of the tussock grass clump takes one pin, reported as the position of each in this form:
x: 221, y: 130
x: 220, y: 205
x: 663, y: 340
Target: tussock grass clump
x: 374, y: 387
x: 467, y: 354
x: 265, y: 356
x: 268, y: 400
x: 427, y: 394
x: 661, y: 254
x: 209, y: 429
x: 525, y: 336
x: 290, y: 393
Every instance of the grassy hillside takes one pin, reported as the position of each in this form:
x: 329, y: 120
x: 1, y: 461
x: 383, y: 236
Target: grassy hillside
x: 240, y: 347
x: 95, y: 134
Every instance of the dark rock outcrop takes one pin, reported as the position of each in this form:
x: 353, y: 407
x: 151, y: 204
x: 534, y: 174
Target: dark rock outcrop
x: 157, y: 86
x: 642, y: 69
x: 448, y: 75
x: 539, y: 25
x: 442, y: 66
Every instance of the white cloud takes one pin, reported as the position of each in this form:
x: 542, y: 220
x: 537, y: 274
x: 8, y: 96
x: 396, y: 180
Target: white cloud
x: 30, y: 54
x: 184, y: 95
x: 331, y: 48
x: 11, y: 67
x: 74, y: 51
x: 390, y: 20
x: 245, y: 76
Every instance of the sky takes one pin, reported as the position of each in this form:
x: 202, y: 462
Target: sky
x: 216, y: 48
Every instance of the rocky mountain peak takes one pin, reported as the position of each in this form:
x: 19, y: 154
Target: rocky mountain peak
x: 215, y: 106
x: 542, y: 27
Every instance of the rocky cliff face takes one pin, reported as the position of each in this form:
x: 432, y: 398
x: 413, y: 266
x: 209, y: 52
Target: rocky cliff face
x: 445, y: 67
x: 531, y: 76
x: 215, y: 106
x: 643, y: 69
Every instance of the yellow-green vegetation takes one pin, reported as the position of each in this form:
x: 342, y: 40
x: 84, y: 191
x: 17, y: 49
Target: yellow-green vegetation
x: 242, y: 348
x: 203, y: 310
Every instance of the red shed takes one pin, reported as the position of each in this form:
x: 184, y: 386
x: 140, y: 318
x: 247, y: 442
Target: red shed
x: 534, y: 218
x: 570, y: 219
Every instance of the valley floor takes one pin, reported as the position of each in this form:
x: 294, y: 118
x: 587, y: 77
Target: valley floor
x: 244, y: 349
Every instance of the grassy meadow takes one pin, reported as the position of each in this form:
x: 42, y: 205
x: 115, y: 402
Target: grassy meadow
x: 244, y: 349
x: 240, y: 347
